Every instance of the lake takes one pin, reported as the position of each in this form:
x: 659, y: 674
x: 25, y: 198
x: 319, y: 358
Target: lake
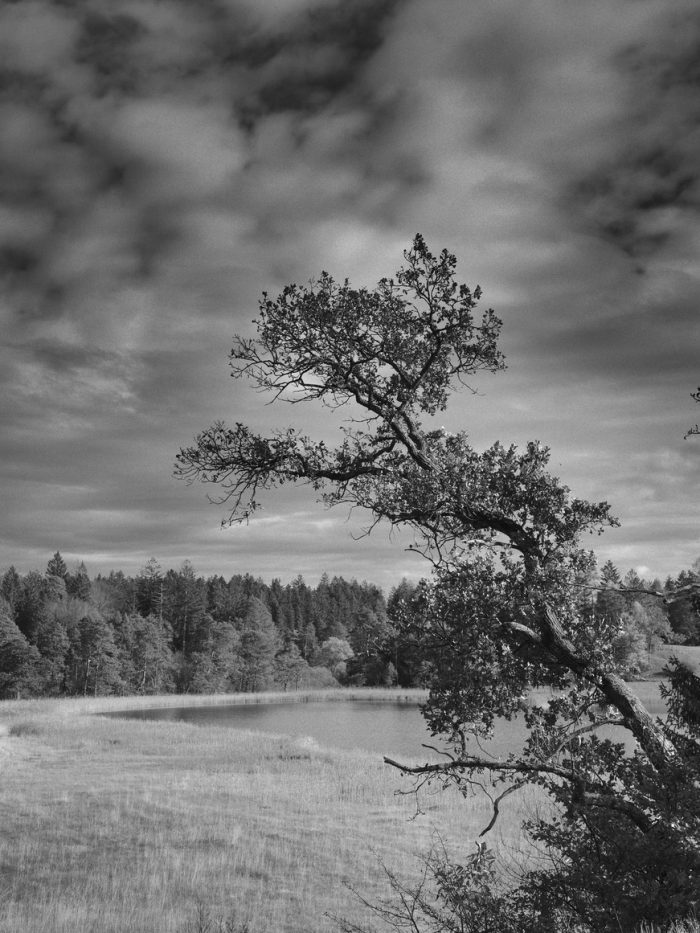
x: 391, y: 728
x: 385, y: 727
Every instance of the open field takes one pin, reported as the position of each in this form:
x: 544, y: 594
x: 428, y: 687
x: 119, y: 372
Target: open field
x: 688, y: 654
x: 125, y: 826
x: 113, y: 825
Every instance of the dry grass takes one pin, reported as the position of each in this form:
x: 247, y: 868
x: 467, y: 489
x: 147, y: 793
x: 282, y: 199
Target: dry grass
x: 688, y: 654
x: 124, y: 826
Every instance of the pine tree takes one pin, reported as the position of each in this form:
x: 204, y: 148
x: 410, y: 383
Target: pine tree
x: 149, y: 589
x: 56, y: 567
x: 78, y: 583
x: 19, y: 661
x: 259, y: 645
x: 11, y: 587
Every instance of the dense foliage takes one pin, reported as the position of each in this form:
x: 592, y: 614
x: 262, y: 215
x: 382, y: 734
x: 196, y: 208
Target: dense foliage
x: 510, y: 606
x: 62, y: 633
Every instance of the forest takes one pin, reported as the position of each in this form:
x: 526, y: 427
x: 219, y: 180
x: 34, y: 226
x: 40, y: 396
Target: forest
x: 65, y: 634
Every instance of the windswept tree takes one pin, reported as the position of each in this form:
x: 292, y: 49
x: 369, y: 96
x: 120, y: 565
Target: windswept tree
x: 507, y: 609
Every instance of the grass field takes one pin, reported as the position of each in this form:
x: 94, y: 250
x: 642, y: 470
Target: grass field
x: 126, y: 826
x: 116, y: 826
x: 688, y: 654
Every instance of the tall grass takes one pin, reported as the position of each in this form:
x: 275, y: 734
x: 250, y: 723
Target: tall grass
x: 124, y: 826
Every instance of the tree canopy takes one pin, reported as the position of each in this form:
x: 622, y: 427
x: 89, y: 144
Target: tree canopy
x: 509, y: 606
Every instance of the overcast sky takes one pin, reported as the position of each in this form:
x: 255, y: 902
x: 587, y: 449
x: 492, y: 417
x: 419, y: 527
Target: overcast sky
x: 162, y: 162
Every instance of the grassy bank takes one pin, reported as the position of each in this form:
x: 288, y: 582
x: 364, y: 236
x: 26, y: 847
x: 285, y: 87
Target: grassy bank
x: 111, y: 825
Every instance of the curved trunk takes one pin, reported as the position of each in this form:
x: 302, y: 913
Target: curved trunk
x: 639, y: 721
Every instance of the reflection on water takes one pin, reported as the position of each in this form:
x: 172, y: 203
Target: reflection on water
x: 390, y: 728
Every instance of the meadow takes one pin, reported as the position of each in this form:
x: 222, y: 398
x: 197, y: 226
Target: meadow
x: 129, y: 826
x: 123, y: 826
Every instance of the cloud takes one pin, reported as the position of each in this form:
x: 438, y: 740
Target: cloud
x: 36, y: 37
x: 163, y: 163
x: 641, y: 194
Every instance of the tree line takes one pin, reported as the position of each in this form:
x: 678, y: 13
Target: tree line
x: 64, y: 634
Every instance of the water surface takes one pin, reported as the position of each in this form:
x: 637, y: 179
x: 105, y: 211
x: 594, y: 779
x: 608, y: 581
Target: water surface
x: 388, y: 727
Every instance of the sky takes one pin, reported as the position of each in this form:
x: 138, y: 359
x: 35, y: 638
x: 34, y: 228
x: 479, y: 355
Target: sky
x: 162, y: 162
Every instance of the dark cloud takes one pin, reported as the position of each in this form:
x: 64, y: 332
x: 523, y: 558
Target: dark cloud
x: 317, y: 59
x: 106, y: 46
x: 132, y: 121
x: 649, y: 188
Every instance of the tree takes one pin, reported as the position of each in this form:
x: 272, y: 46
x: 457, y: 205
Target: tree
x: 291, y: 670
x: 334, y: 654
x: 507, y: 609
x: 146, y: 661
x: 53, y: 644
x: 258, y: 647
x: 684, y: 611
x: 31, y: 606
x: 149, y: 589
x: 184, y: 603
x: 215, y: 664
x: 404, y: 611
x: 19, y: 661
x: 11, y: 587
x: 56, y: 567
x: 92, y: 660
x: 696, y: 428
x: 370, y: 640
x: 78, y: 583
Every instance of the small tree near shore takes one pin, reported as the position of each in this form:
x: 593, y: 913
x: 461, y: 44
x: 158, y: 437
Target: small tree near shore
x: 508, y: 607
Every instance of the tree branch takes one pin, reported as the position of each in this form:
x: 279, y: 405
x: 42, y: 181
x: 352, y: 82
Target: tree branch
x: 583, y: 796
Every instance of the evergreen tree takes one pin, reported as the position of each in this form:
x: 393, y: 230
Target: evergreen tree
x: 259, y: 643
x: 114, y: 593
x: 92, y: 660
x: 53, y: 644
x: 54, y: 589
x: 215, y: 665
x: 78, y: 583
x: 31, y: 607
x: 19, y: 661
x: 220, y: 602
x: 149, y: 589
x: 56, y: 567
x: 610, y: 602
x: 185, y: 598
x: 11, y: 588
x: 146, y: 660
x: 405, y: 610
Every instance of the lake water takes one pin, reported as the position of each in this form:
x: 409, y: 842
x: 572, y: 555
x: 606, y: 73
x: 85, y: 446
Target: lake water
x: 389, y: 728
x: 385, y: 727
